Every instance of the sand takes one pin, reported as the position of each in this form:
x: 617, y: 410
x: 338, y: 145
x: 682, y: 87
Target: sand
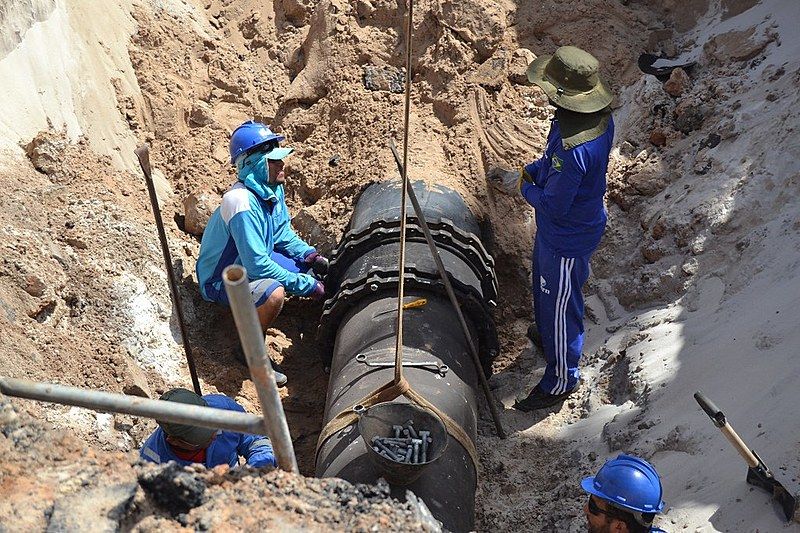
x: 693, y: 287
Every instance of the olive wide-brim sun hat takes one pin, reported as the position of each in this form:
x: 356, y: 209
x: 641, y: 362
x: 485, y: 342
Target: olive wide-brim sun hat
x: 571, y: 78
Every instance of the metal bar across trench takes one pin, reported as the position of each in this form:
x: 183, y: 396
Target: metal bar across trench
x: 109, y: 402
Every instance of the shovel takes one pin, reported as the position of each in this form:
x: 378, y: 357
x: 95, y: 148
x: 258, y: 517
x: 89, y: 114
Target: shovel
x: 758, y: 473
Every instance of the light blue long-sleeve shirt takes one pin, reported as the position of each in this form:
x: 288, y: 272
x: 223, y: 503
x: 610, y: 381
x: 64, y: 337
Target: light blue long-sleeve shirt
x: 252, y: 222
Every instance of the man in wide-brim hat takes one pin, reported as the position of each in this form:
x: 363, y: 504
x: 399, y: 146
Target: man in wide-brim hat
x: 566, y: 187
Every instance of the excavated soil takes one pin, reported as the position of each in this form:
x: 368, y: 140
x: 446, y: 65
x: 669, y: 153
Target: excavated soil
x: 702, y: 175
x: 53, y: 481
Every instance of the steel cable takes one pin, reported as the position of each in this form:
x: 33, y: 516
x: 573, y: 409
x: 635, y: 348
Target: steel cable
x: 398, y: 358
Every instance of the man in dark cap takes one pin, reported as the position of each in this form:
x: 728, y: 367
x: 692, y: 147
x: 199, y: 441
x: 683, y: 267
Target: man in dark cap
x: 187, y: 444
x: 566, y: 186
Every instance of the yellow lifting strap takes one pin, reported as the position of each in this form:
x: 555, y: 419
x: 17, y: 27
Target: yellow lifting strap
x: 387, y: 393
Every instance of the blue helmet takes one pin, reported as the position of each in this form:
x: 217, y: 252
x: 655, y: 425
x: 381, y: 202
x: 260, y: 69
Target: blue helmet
x: 630, y: 483
x: 250, y: 135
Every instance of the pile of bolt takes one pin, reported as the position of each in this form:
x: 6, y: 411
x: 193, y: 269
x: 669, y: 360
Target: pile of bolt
x: 406, y: 446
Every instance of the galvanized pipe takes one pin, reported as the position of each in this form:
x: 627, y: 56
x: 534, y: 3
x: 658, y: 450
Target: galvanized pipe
x: 237, y: 287
x: 178, y: 413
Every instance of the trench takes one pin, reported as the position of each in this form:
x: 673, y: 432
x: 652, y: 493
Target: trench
x: 293, y: 337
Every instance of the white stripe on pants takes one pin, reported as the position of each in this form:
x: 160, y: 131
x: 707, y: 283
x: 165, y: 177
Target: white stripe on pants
x: 560, y: 323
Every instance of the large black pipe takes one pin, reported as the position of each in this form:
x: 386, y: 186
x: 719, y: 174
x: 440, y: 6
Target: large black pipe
x: 360, y: 319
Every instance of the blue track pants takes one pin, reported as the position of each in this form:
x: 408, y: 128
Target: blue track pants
x: 558, y: 311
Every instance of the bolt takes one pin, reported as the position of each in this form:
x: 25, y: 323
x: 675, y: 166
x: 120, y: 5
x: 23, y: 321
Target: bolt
x: 416, y: 444
x: 424, y: 435
x: 397, y: 430
x: 397, y: 448
x: 384, y: 448
x: 398, y: 440
x: 409, y: 451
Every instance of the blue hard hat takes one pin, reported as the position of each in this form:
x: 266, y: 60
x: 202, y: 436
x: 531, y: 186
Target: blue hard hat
x: 629, y: 483
x: 250, y: 135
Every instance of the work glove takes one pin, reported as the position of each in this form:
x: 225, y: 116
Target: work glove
x: 319, y: 264
x: 319, y: 292
x: 507, y: 181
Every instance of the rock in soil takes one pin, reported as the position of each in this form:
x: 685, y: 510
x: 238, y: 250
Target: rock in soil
x: 175, y: 489
x: 103, y: 508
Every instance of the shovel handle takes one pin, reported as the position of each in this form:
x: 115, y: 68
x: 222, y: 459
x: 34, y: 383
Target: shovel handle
x: 741, y: 447
x: 718, y: 417
x: 714, y: 412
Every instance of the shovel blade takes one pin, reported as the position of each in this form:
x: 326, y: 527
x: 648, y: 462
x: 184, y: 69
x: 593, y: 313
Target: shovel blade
x: 761, y: 476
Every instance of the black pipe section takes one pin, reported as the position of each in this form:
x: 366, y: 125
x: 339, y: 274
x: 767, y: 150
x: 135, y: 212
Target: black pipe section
x: 360, y: 319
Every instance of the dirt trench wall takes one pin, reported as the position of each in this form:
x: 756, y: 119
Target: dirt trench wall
x: 62, y: 70
x: 700, y: 202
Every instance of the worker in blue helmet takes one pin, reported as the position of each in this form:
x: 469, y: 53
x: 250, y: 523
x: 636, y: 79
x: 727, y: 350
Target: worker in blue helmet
x: 252, y: 228
x: 624, y: 497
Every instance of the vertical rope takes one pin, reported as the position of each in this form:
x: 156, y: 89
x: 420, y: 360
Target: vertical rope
x: 398, y: 358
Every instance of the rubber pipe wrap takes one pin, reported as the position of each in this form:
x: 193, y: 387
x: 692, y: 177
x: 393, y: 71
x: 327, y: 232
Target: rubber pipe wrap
x: 360, y: 319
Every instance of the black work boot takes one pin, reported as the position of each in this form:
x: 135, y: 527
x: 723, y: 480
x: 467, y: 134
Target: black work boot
x: 280, y: 377
x: 535, y: 336
x: 539, y: 399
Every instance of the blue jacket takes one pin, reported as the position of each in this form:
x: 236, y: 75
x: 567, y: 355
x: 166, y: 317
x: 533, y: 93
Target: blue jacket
x: 252, y: 222
x: 567, y: 192
x: 225, y: 449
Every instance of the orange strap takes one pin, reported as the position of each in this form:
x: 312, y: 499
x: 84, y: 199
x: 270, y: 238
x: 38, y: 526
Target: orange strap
x: 387, y: 393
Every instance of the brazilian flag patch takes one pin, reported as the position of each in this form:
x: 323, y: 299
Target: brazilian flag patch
x: 557, y: 163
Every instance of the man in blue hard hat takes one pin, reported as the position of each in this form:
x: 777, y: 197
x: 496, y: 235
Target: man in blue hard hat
x: 624, y: 497
x: 565, y: 186
x: 252, y: 228
x: 187, y: 444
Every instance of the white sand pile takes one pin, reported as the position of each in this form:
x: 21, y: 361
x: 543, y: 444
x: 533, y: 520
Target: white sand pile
x: 65, y: 65
x: 735, y: 333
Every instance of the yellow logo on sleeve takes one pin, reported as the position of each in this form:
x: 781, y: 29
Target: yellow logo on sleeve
x: 557, y: 163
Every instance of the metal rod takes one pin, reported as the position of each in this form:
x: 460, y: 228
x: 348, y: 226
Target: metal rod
x: 398, y: 358
x: 143, y: 154
x: 179, y: 413
x: 453, y: 300
x: 251, y: 335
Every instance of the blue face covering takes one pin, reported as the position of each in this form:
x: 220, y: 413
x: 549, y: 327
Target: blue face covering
x: 254, y: 173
